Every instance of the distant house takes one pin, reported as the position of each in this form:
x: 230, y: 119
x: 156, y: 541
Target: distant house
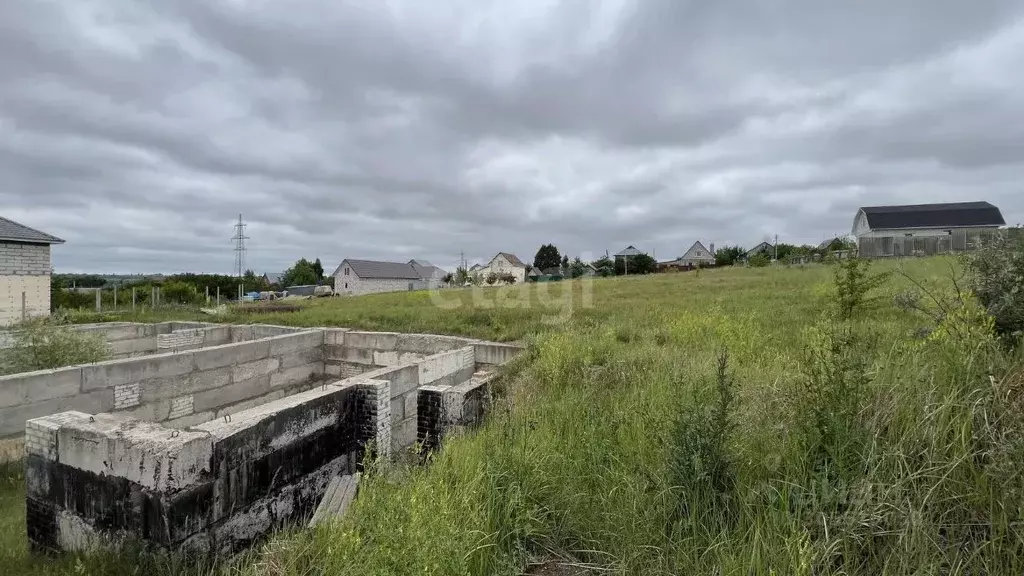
x: 698, y: 255
x: 628, y: 252
x: 762, y: 248
x: 432, y: 275
x: 24, y: 271
x: 273, y: 278
x: 372, y: 276
x: 506, y: 263
x: 923, y: 229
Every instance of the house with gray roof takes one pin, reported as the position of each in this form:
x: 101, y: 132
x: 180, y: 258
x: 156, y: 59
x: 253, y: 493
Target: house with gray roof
x: 374, y: 276
x: 924, y: 229
x: 24, y: 271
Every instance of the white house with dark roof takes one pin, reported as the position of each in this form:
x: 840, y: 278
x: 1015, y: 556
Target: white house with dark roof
x: 922, y: 229
x: 506, y: 263
x: 24, y: 271
x: 373, y: 276
x: 697, y: 255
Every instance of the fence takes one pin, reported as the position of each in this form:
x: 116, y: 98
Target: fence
x: 957, y: 241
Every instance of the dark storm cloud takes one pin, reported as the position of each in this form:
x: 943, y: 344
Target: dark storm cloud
x: 139, y: 131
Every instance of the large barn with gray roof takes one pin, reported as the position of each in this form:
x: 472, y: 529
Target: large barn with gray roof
x: 24, y: 271
x: 924, y: 229
x: 374, y: 276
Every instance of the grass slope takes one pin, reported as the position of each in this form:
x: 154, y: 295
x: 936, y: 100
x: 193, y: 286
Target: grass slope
x: 852, y: 448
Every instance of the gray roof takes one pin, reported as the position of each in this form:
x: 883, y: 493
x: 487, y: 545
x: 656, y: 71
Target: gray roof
x: 426, y: 270
x: 629, y: 251
x: 383, y: 270
x: 11, y: 231
x: 953, y: 215
x: 273, y: 277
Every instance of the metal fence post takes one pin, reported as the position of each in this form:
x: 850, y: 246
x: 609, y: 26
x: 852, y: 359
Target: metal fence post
x: 133, y: 299
x: 24, y: 307
x: 99, y: 295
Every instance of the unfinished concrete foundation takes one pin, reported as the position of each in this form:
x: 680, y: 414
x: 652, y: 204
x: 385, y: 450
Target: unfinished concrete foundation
x: 235, y: 433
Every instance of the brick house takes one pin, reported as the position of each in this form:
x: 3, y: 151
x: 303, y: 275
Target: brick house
x: 373, y: 276
x: 24, y: 271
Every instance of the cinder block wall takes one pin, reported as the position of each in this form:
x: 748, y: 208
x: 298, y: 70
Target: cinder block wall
x: 181, y: 388
x: 217, y: 487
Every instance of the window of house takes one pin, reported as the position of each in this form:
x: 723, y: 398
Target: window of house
x: 346, y: 283
x: 346, y: 271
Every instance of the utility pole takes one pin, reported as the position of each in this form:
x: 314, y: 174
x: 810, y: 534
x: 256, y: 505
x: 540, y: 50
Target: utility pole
x: 776, y: 247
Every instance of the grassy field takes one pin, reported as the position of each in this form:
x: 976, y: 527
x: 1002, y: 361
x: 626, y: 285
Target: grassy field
x: 720, y: 422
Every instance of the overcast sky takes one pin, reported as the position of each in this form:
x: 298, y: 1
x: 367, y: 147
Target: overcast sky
x: 139, y: 130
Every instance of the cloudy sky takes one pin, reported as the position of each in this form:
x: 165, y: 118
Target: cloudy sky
x: 391, y: 129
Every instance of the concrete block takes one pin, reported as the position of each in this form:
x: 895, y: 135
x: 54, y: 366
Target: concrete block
x: 410, y: 404
x: 410, y: 357
x: 357, y: 355
x: 280, y: 345
x: 401, y: 378
x: 163, y: 388
x: 332, y: 369
x: 250, y: 403
x: 133, y: 346
x: 250, y: 370
x: 296, y: 375
x: 13, y: 418
x: 495, y: 353
x: 382, y: 341
x: 397, y: 409
x: 230, y: 354
x: 429, y: 344
x: 242, y: 333
x: 231, y: 394
x: 111, y: 373
x: 191, y: 420
x: 403, y: 434
x: 39, y: 385
x: 334, y: 336
x: 148, y: 454
x: 333, y: 351
x: 308, y: 356
x: 385, y: 358
x: 217, y: 335
x: 436, y: 367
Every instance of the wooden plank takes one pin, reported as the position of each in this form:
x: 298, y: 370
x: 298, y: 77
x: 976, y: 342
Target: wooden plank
x: 332, y: 489
x: 340, y: 493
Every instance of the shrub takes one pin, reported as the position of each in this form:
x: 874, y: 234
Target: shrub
x: 853, y: 283
x: 759, y: 260
x: 997, y: 278
x: 178, y: 293
x: 492, y: 278
x: 700, y: 465
x: 507, y: 277
x: 47, y: 343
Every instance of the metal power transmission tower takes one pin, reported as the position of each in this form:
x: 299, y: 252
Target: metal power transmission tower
x: 240, y: 239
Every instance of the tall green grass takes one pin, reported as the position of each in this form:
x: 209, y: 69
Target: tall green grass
x: 623, y: 443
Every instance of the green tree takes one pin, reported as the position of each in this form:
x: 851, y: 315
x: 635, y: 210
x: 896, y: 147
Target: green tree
x: 461, y: 276
x: 604, y: 266
x: 759, y: 260
x: 728, y: 255
x: 577, y: 268
x: 547, y: 257
x: 253, y: 283
x: 318, y: 268
x: 639, y: 264
x: 565, y: 264
x: 301, y: 274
